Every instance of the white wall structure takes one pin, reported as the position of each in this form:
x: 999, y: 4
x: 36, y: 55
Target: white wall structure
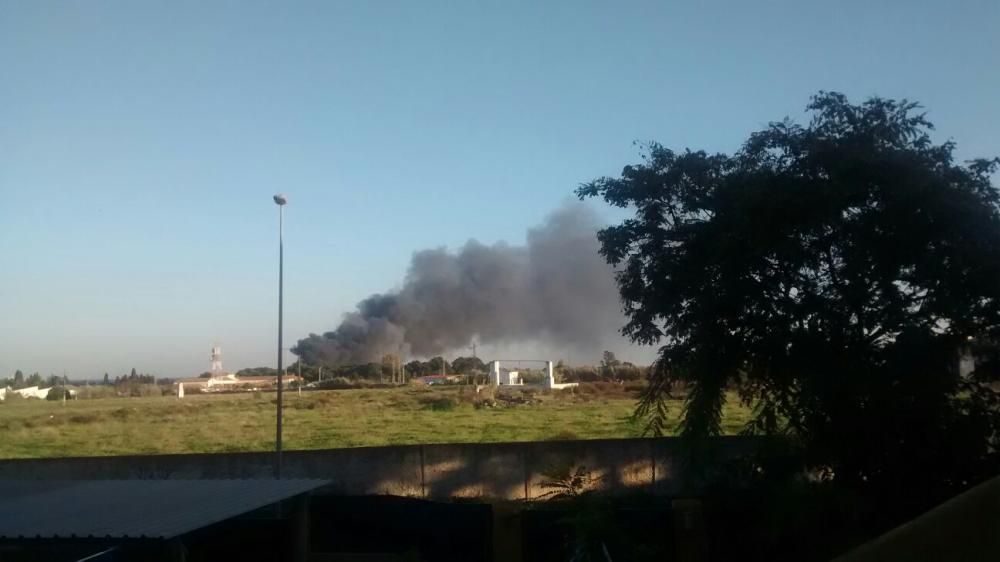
x: 34, y: 392
x: 503, y: 378
x: 495, y: 373
x: 550, y: 379
x: 513, y: 378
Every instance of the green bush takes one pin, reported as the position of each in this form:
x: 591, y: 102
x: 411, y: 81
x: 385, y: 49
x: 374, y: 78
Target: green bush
x: 57, y: 393
x: 443, y: 404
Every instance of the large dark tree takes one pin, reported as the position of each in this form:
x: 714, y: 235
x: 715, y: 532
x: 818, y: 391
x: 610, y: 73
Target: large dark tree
x: 436, y: 365
x: 468, y: 365
x: 832, y: 274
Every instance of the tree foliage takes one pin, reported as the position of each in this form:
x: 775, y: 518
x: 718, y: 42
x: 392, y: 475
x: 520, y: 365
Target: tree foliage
x: 831, y: 273
x: 468, y: 365
x: 257, y: 372
x: 438, y: 365
x: 34, y: 380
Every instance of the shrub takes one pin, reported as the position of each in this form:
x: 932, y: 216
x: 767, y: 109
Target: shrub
x: 485, y: 403
x: 85, y: 418
x: 568, y: 481
x: 442, y: 404
x: 532, y: 377
x: 635, y: 386
x: 582, y: 374
x: 123, y: 413
x: 57, y: 393
x: 605, y: 387
x: 629, y: 373
x: 467, y: 396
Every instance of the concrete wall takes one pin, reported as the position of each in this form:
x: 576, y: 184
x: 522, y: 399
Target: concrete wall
x: 514, y: 471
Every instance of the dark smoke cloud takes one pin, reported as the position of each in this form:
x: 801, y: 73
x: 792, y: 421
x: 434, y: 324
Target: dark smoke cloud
x: 556, y: 290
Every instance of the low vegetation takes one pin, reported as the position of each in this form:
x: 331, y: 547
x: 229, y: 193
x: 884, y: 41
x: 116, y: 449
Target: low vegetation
x: 319, y: 419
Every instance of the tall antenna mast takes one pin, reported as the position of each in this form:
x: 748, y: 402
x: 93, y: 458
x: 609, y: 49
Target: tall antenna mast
x: 216, y: 361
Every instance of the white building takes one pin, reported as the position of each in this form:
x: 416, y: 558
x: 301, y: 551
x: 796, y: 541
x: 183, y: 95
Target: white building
x: 29, y: 392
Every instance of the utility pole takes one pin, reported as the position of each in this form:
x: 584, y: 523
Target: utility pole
x: 472, y: 375
x: 281, y: 200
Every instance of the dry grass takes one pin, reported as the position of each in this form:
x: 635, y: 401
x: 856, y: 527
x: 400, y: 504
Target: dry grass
x: 321, y: 419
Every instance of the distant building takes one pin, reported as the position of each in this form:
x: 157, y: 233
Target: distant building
x: 438, y: 379
x: 230, y: 382
x: 33, y: 392
x: 221, y: 381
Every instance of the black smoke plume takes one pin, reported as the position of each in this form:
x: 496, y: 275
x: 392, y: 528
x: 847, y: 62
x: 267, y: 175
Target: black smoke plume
x: 555, y: 290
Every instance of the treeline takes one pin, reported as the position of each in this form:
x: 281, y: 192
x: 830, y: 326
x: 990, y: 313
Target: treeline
x: 622, y: 373
x: 391, y: 369
x: 135, y: 384
x: 129, y: 384
x: 18, y: 381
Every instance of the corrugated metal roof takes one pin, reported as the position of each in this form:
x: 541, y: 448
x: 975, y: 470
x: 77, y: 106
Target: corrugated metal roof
x: 159, y: 509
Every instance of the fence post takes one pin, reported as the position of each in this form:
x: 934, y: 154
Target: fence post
x: 423, y: 480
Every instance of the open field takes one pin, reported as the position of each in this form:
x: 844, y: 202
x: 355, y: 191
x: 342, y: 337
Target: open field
x: 320, y: 419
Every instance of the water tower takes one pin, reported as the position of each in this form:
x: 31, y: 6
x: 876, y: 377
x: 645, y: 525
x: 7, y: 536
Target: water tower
x: 216, y: 361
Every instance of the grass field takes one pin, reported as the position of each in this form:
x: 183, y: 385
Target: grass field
x: 319, y: 419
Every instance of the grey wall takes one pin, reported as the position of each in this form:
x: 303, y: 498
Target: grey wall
x: 485, y: 470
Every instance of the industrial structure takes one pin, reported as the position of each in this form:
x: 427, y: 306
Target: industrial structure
x: 220, y: 381
x: 500, y: 377
x: 216, y: 361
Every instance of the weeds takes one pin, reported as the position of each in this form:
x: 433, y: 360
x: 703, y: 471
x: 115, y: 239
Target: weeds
x: 85, y: 418
x: 443, y: 404
x: 568, y: 481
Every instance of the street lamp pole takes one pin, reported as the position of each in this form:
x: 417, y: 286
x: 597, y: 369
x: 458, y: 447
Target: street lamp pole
x: 281, y: 200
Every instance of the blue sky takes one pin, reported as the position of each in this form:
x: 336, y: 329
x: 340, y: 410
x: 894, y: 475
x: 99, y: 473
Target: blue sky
x: 140, y: 142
